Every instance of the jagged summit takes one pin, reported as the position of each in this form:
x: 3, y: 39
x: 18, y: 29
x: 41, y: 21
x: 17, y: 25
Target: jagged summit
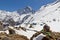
x: 25, y: 10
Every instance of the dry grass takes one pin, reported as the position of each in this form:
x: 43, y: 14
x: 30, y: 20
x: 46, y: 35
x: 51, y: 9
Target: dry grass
x: 4, y: 36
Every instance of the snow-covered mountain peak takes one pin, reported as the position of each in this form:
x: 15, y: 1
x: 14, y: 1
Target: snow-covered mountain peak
x: 25, y: 10
x: 49, y: 14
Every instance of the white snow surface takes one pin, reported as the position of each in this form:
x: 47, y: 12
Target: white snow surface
x: 49, y: 15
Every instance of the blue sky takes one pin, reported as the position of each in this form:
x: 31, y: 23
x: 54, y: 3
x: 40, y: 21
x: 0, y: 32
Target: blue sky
x: 12, y: 5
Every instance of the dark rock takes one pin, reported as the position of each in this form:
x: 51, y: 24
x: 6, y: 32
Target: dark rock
x: 11, y: 31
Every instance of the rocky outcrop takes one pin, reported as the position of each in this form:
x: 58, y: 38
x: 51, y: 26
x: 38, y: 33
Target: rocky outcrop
x: 1, y: 26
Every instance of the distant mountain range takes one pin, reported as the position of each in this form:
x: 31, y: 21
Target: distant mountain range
x: 18, y: 16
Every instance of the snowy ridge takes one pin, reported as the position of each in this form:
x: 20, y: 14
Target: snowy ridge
x: 49, y: 15
x: 5, y: 14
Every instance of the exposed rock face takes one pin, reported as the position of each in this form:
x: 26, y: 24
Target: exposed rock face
x: 11, y: 31
x: 1, y: 26
x: 45, y: 38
